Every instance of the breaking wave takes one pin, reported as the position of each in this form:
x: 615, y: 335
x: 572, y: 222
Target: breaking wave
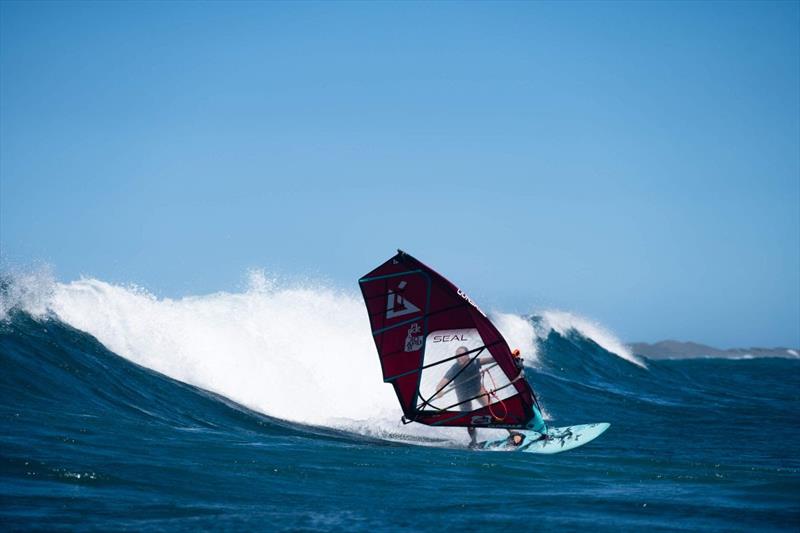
x: 301, y: 352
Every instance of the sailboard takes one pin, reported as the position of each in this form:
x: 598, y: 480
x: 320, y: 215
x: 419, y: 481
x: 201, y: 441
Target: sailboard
x: 447, y: 362
x: 555, y: 440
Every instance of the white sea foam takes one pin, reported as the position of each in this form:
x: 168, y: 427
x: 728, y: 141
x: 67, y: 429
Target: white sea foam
x: 519, y: 333
x: 31, y: 291
x: 301, y: 353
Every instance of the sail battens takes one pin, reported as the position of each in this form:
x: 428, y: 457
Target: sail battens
x: 431, y: 364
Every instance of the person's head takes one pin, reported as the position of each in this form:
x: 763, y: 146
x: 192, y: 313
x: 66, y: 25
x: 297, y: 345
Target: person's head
x: 515, y: 352
x: 461, y: 352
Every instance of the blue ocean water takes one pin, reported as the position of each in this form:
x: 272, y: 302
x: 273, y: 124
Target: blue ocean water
x: 90, y: 440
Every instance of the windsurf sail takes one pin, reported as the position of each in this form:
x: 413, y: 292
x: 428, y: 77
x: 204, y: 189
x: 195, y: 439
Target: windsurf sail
x: 447, y: 362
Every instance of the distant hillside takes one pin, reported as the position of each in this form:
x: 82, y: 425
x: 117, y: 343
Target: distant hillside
x: 687, y: 350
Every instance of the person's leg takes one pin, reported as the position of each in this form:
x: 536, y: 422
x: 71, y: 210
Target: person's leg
x: 513, y: 437
x: 483, y: 399
x: 473, y: 439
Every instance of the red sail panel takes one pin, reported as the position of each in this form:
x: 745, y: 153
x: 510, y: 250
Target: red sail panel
x: 447, y: 362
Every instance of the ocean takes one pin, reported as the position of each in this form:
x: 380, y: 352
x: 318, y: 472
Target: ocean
x: 265, y: 410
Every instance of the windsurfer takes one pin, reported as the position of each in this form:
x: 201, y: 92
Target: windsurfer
x: 465, y: 374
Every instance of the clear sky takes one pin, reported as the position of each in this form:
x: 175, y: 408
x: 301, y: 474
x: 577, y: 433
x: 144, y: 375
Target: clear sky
x: 637, y: 163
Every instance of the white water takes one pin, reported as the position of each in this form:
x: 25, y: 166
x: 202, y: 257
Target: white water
x: 300, y: 352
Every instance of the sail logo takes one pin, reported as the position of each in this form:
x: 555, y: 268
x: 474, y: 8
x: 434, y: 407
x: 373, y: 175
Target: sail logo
x: 467, y: 298
x: 414, y: 339
x: 450, y: 338
x: 397, y: 305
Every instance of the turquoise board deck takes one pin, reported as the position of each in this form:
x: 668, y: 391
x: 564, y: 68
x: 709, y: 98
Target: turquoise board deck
x: 558, y: 439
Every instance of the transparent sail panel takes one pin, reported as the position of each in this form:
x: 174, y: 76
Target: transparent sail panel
x: 462, y: 375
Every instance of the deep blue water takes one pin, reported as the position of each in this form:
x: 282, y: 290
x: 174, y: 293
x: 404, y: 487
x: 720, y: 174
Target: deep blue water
x: 89, y: 440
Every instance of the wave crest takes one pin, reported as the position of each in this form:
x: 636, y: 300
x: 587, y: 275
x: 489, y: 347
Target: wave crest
x: 563, y: 322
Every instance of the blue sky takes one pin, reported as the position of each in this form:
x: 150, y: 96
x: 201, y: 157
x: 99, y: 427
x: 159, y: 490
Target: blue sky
x: 638, y: 163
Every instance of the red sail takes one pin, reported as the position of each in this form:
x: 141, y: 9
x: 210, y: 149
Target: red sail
x: 447, y: 362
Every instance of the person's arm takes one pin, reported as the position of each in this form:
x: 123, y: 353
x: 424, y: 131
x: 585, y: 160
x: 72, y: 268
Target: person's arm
x: 439, y: 387
x: 448, y: 377
x: 486, y: 359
